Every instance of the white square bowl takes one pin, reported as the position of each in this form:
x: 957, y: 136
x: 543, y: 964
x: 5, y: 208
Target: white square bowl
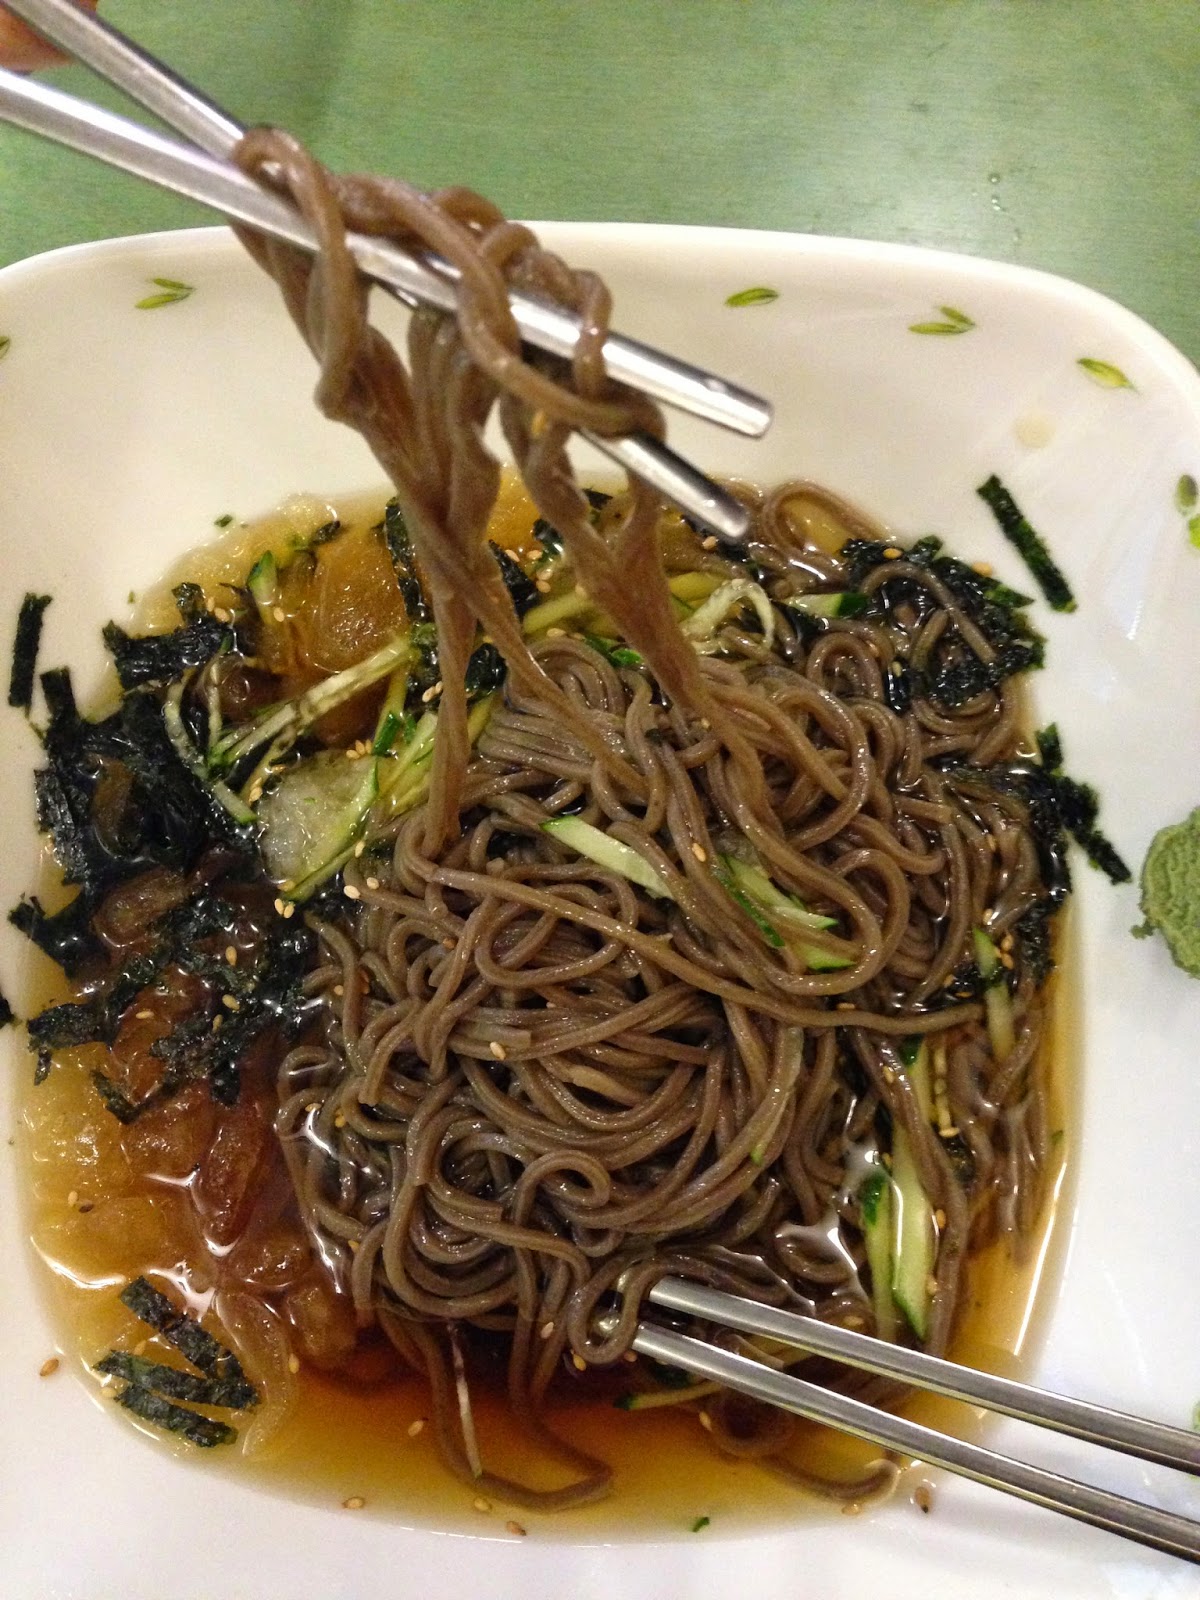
x: 126, y: 432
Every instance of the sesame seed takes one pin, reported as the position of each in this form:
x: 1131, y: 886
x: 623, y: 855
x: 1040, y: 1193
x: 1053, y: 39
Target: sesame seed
x: 354, y: 1247
x: 845, y: 1005
x: 546, y: 1330
x: 948, y: 1133
x: 279, y: 614
x: 705, y: 723
x: 210, y: 605
x: 289, y: 909
x: 709, y: 543
x: 983, y: 568
x: 293, y: 1363
x: 542, y: 585
x: 706, y: 1422
x: 279, y: 905
x: 355, y: 1503
x: 255, y: 794
x: 992, y: 843
x: 339, y: 989
x: 852, y: 1322
x: 352, y: 892
x: 73, y: 1198
x: 931, y: 1285
x: 216, y: 1022
x: 144, y: 1016
x: 356, y: 755
x: 339, y: 1120
x: 372, y: 883
x: 231, y: 954
x: 231, y: 1002
x: 888, y: 1075
x: 923, y: 1497
x: 555, y: 633
x: 630, y: 1356
x: 432, y: 692
x: 481, y: 1504
x: 85, y: 1206
x: 497, y: 1050
x: 852, y: 1508
x: 360, y: 847
x: 1007, y: 942
x: 1006, y: 961
x: 139, y: 1348
x: 221, y: 614
x: 699, y: 852
x: 580, y: 590
x: 515, y: 1529
x: 892, y: 553
x: 415, y: 1427
x: 939, y: 1216
x: 48, y: 1367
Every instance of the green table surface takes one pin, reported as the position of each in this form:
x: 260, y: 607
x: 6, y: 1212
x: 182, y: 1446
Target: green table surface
x: 1064, y: 134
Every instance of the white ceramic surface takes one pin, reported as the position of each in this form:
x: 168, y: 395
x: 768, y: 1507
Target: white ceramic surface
x: 125, y: 432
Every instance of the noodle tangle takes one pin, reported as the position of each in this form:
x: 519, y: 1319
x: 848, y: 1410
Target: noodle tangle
x: 537, y: 1086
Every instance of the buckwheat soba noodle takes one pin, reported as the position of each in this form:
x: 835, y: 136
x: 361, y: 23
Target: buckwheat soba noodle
x: 559, y: 1086
x: 714, y: 945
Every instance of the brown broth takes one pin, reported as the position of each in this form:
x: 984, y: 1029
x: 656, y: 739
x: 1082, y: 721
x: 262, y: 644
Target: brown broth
x: 97, y: 1222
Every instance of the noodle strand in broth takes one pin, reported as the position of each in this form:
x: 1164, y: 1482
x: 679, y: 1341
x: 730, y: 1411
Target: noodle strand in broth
x: 540, y: 1086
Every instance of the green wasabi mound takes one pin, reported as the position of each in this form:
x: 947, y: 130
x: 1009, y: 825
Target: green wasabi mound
x: 1171, y: 891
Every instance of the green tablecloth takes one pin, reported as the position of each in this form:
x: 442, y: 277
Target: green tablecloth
x: 1064, y: 134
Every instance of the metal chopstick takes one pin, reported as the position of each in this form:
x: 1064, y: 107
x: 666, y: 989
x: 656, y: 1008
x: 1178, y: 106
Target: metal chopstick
x: 125, y: 64
x: 430, y: 281
x: 110, y: 138
x: 1148, y: 1525
x: 1135, y: 1436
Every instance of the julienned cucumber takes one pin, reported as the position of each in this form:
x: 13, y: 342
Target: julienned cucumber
x: 607, y: 852
x: 913, y: 1233
x: 844, y: 603
x: 785, y: 915
x: 1002, y: 1032
x: 875, y: 1203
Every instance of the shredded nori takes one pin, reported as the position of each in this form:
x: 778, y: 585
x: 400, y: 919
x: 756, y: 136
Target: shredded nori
x: 190, y: 1425
x: 522, y: 590
x: 25, y: 649
x: 233, y: 1394
x: 205, y: 1353
x: 399, y: 543
x: 43, y: 1062
x: 161, y: 658
x: 66, y: 936
x: 953, y: 674
x: 1028, y: 543
x: 1079, y: 807
x: 485, y: 673
x: 7, y: 1014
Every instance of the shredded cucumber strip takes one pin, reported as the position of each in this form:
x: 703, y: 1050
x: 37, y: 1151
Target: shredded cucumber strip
x: 1002, y: 1032
x: 195, y: 763
x: 707, y: 618
x: 913, y: 1230
x: 282, y: 726
x: 875, y: 1204
x: 748, y: 882
x: 607, y: 852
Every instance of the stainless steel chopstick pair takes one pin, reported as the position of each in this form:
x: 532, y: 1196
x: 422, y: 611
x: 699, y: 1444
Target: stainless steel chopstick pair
x: 202, y: 171
x: 1116, y: 1430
